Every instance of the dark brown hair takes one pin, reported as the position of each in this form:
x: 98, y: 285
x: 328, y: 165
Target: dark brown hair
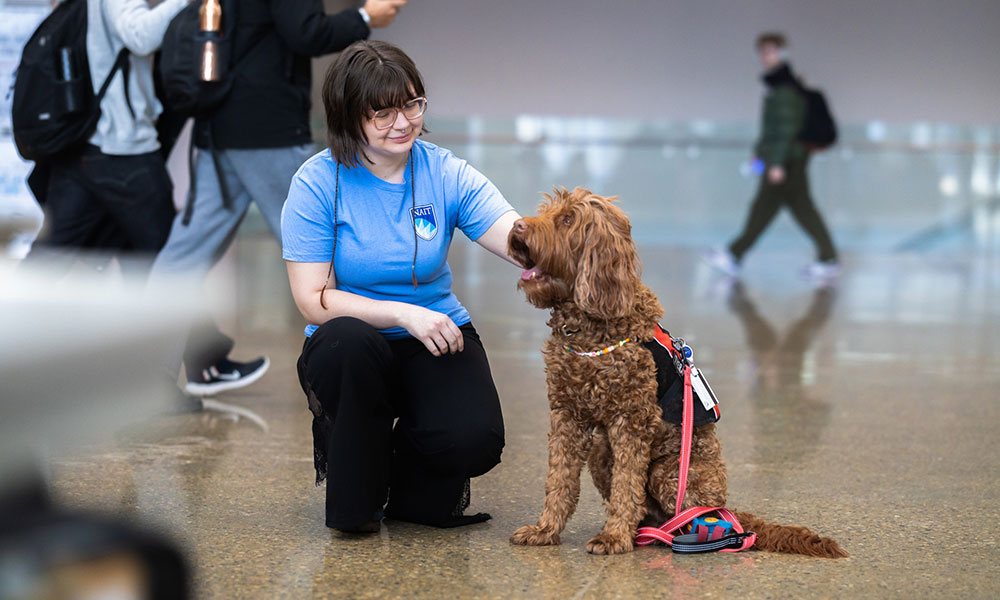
x: 774, y: 38
x: 367, y: 76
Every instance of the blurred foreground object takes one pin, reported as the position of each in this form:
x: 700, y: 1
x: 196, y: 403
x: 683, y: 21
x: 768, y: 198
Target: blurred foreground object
x: 52, y: 554
x: 80, y: 357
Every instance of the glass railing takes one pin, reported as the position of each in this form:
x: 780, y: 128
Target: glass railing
x: 882, y: 186
x: 887, y: 187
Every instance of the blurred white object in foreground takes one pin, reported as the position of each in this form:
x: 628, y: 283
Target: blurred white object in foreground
x: 80, y: 356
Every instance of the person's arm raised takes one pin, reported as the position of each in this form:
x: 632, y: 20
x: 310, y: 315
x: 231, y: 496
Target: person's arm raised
x: 435, y: 330
x: 140, y: 27
x: 382, y: 12
x: 306, y: 28
x: 495, y: 238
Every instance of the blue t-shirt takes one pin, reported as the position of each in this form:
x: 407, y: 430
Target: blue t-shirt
x: 375, y: 226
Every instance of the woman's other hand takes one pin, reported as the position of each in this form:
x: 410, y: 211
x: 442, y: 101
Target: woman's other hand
x: 435, y: 330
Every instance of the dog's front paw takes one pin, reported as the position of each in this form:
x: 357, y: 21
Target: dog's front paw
x: 603, y: 543
x: 533, y: 535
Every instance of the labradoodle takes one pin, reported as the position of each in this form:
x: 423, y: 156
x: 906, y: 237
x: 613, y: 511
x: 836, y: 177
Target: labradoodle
x: 603, y: 385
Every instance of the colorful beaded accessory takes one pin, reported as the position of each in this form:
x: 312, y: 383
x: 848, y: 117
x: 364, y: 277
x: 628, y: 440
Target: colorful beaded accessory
x: 599, y: 352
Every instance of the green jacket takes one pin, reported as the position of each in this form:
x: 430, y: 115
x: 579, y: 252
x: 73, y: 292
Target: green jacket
x: 781, y: 120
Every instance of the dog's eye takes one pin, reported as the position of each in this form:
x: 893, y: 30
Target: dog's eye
x: 566, y: 220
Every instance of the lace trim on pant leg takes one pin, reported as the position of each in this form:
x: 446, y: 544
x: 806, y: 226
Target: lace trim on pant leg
x: 321, y: 434
x: 464, y: 500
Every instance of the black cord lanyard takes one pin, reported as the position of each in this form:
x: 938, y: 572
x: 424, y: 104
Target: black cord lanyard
x: 413, y: 220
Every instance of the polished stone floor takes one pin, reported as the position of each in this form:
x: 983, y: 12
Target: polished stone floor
x: 867, y: 411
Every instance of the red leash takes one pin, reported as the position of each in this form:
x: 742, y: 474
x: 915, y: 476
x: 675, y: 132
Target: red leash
x: 687, y: 432
x: 665, y: 533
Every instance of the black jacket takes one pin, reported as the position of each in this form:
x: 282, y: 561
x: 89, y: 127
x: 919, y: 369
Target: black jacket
x: 268, y: 106
x: 781, y: 118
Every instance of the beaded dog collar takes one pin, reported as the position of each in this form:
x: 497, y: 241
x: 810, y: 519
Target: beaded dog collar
x: 598, y: 352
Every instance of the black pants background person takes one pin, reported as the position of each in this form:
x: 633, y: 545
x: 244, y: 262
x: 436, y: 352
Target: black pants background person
x: 794, y: 194
x: 106, y: 202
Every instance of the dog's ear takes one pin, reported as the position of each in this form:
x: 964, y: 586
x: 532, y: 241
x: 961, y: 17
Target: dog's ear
x: 608, y: 273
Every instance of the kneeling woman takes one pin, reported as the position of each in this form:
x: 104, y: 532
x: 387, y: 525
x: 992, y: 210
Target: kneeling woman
x: 365, y: 232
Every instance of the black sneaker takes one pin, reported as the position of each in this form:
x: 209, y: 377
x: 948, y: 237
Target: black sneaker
x: 227, y: 375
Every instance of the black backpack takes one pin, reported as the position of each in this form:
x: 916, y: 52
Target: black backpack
x: 819, y: 130
x: 179, y: 62
x: 54, y: 109
x: 181, y: 90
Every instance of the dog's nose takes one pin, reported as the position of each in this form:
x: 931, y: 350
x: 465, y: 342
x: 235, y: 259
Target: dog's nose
x: 519, y: 226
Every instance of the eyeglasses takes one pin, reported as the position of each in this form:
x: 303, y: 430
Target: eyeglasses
x: 384, y: 118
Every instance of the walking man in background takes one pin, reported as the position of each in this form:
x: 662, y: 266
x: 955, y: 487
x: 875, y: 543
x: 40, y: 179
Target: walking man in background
x: 784, y: 159
x: 248, y: 151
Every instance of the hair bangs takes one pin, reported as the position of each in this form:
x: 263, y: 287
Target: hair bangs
x: 390, y: 86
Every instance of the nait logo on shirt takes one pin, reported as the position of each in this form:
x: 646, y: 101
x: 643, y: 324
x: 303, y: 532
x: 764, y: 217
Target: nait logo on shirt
x: 424, y: 221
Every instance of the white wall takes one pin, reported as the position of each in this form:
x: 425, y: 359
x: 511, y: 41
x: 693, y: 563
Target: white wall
x: 896, y: 60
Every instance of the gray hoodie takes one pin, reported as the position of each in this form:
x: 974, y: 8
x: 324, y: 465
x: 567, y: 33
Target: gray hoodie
x: 112, y: 25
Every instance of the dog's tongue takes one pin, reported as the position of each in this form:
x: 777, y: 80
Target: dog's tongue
x: 531, y: 273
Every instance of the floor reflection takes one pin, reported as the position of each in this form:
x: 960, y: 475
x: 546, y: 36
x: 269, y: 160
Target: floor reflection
x: 793, y: 366
x: 788, y: 412
x: 688, y: 575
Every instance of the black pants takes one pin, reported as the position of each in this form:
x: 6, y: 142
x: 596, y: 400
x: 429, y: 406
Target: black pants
x: 793, y: 192
x: 98, y: 201
x: 449, y: 427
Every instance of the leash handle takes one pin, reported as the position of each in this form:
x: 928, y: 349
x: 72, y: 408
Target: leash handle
x: 690, y: 544
x: 664, y: 533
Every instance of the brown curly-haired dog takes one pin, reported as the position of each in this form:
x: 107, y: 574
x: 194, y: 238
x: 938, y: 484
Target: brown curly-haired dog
x: 580, y: 262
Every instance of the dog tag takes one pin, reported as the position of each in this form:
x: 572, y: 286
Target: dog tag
x: 700, y: 386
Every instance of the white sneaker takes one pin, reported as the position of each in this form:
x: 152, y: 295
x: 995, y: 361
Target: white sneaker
x: 722, y: 260
x: 822, y: 271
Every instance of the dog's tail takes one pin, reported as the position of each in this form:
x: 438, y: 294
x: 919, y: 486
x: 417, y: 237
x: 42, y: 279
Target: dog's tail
x: 791, y: 539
